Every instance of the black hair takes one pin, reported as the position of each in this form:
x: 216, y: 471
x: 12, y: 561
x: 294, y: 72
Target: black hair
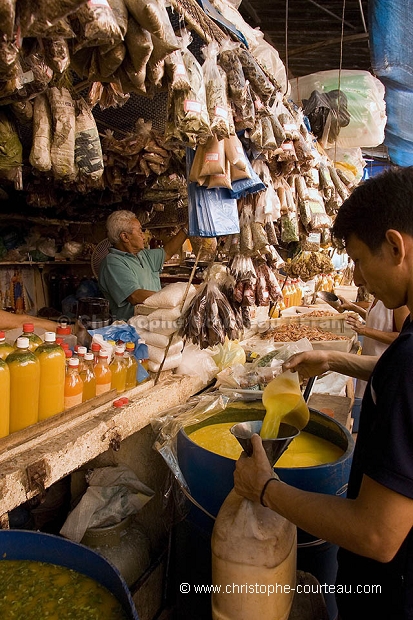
x: 376, y: 205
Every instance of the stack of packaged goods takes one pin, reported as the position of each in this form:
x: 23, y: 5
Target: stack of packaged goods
x: 159, y: 325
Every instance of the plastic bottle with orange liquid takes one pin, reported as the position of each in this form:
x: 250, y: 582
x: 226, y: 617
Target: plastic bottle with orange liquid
x: 103, y: 374
x: 95, y: 348
x: 88, y: 377
x: 5, y: 347
x: 28, y: 332
x: 24, y: 369
x: 131, y: 366
x: 73, y: 384
x: 5, y: 399
x: 80, y: 352
x: 118, y: 368
x: 52, y: 376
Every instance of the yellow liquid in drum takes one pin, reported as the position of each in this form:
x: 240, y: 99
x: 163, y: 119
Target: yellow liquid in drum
x: 244, y: 593
x: 306, y: 450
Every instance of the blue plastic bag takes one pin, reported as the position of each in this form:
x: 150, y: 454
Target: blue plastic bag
x: 126, y: 333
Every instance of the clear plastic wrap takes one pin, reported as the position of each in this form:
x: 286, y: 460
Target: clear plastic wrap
x: 98, y: 26
x: 153, y: 16
x: 231, y: 64
x: 188, y: 119
x: 139, y: 44
x: 365, y: 103
x: 216, y: 92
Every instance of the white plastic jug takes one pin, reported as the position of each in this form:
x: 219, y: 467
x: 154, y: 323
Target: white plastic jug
x: 253, y: 562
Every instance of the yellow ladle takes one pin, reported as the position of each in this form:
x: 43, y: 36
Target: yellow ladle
x: 284, y: 402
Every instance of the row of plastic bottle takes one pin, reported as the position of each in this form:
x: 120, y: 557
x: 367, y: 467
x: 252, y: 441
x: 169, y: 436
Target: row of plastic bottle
x: 40, y: 379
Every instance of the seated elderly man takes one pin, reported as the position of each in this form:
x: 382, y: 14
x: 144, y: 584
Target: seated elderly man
x: 130, y: 272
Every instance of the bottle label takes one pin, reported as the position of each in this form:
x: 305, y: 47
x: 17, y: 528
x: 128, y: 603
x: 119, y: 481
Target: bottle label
x: 101, y: 388
x: 72, y: 401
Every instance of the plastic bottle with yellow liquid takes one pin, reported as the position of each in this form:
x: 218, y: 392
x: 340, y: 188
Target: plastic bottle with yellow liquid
x: 80, y: 353
x: 24, y: 369
x: 52, y: 360
x: 284, y: 402
x: 5, y: 347
x: 28, y: 332
x: 103, y: 373
x: 118, y: 368
x: 88, y: 377
x: 73, y: 384
x: 4, y: 399
x: 131, y: 366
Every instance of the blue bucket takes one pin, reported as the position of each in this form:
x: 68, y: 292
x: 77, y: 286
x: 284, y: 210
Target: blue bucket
x: 41, y: 547
x: 210, y: 477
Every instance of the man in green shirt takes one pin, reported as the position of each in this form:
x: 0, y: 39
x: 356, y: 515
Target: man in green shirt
x: 130, y: 273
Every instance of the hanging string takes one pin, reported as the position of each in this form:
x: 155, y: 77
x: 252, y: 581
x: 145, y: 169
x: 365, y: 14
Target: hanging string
x: 339, y: 71
x: 286, y: 38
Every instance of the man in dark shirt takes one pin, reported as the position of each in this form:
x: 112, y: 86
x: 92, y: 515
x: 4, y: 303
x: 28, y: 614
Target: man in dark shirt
x: 373, y: 525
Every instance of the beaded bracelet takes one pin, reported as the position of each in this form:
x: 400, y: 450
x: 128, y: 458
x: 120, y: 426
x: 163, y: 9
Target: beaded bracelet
x: 264, y: 488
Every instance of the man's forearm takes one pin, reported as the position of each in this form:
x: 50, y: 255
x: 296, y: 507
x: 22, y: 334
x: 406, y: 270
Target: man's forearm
x: 357, y: 366
x: 139, y: 296
x: 173, y: 246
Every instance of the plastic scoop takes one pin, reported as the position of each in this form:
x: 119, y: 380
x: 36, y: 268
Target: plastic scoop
x: 284, y: 402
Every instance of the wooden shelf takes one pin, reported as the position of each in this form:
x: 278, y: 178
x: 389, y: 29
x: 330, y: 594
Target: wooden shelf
x: 36, y: 457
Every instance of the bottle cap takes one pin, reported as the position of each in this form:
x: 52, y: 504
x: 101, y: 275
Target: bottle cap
x: 81, y: 350
x: 130, y: 345
x: 22, y: 342
x: 68, y: 353
x: 119, y: 350
x: 89, y: 356
x: 63, y: 330
x: 2, y: 335
x: 65, y: 345
x: 74, y: 361
x: 28, y: 327
x: 96, y: 346
x: 103, y: 353
x: 50, y: 337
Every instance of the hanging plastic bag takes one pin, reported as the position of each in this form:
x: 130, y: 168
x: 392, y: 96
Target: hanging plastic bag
x: 153, y: 16
x: 216, y: 92
x: 188, y: 119
x: 62, y: 151
x: 260, y: 83
x: 139, y: 45
x: 176, y: 70
x: 97, y: 26
x: 211, y: 212
x: 214, y: 157
x: 42, y: 134
x: 11, y: 153
x: 88, y: 150
x: 231, y: 64
x: 252, y: 185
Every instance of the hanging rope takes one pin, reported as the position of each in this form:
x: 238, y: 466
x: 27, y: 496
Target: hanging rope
x: 339, y: 71
x: 171, y: 337
x: 286, y: 37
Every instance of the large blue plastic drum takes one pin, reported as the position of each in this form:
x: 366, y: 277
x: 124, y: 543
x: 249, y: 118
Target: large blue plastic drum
x: 41, y: 547
x: 210, y: 478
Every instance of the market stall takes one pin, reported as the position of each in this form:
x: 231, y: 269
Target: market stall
x: 188, y: 120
